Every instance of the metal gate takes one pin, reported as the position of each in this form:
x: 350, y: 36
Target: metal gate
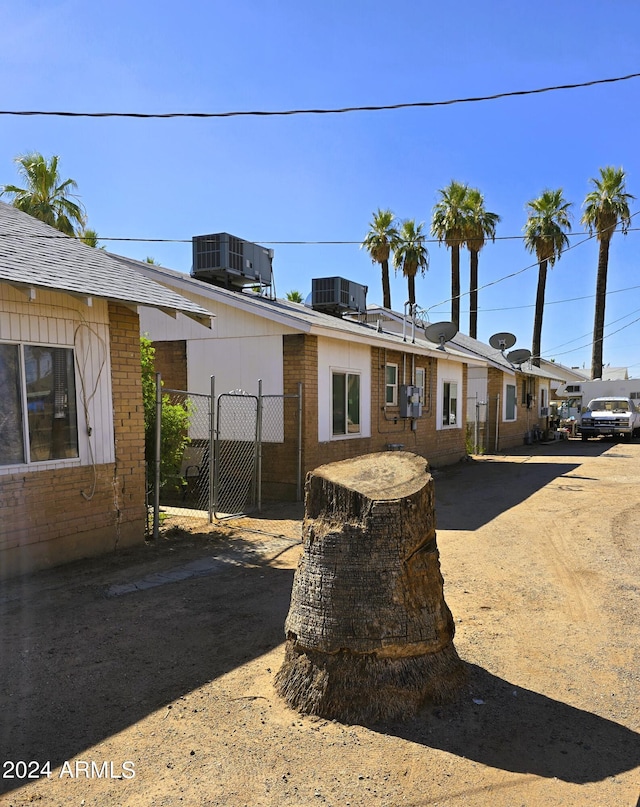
x: 208, y: 451
x: 236, y: 456
x: 181, y: 473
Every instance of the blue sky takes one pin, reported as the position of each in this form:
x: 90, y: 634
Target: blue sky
x: 319, y: 178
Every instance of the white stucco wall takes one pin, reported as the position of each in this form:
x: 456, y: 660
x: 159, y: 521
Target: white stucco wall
x: 60, y: 320
x: 342, y: 356
x: 477, y: 387
x: 236, y: 363
x: 238, y: 349
x: 451, y: 372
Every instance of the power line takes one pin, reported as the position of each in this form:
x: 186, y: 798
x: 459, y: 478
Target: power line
x: 606, y: 336
x: 553, y: 302
x: 263, y: 242
x: 585, y: 335
x: 328, y: 111
x: 589, y: 237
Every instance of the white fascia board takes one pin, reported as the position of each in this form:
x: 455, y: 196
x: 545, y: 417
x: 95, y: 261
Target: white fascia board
x: 392, y: 344
x: 178, y: 281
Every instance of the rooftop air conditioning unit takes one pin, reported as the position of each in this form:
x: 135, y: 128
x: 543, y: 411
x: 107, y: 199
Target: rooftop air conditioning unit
x: 225, y: 260
x: 335, y: 295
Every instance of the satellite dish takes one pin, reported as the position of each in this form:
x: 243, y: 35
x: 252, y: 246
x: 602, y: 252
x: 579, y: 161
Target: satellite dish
x: 502, y: 341
x: 440, y: 332
x: 518, y: 356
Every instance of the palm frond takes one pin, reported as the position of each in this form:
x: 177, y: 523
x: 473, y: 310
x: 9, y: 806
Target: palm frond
x: 607, y: 205
x: 547, y: 224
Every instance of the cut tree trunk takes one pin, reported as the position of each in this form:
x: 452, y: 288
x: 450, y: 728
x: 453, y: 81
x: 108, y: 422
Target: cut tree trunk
x: 369, y: 636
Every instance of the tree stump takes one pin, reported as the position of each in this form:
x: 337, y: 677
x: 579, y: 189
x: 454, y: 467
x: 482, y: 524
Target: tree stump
x: 369, y: 636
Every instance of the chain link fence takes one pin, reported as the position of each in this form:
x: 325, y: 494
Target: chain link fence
x: 235, y: 487
x: 209, y: 454
x: 477, y: 433
x: 185, y: 457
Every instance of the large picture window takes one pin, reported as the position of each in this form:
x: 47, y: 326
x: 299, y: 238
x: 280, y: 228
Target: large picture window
x: 450, y: 404
x: 345, y: 403
x: 38, y: 420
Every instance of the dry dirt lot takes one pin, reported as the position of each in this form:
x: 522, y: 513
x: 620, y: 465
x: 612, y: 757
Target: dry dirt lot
x: 159, y: 662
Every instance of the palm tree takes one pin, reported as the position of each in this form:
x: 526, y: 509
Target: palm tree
x: 295, y: 296
x: 379, y: 242
x: 410, y: 254
x: 448, y: 225
x: 604, y: 207
x: 45, y: 196
x: 480, y: 225
x: 88, y: 237
x: 545, y: 234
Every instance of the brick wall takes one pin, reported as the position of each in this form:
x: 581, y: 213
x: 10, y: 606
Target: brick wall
x: 51, y: 517
x: 280, y: 460
x: 128, y: 418
x: 439, y: 447
x: 512, y: 433
x: 171, y: 363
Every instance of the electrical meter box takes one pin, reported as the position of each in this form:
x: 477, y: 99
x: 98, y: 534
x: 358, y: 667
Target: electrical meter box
x: 410, y: 401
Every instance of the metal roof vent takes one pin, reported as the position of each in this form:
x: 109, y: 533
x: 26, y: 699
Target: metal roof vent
x: 224, y: 260
x: 335, y: 295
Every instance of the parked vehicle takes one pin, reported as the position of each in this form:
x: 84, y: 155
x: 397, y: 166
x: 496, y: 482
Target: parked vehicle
x: 577, y: 393
x: 615, y: 416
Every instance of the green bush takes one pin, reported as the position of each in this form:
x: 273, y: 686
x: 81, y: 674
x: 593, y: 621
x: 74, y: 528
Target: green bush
x: 175, y: 421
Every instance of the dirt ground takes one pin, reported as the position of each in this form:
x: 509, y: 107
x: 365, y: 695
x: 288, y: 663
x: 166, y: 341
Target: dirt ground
x: 146, y: 678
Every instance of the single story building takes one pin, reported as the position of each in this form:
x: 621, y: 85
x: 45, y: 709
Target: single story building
x: 360, y: 382
x: 72, y: 470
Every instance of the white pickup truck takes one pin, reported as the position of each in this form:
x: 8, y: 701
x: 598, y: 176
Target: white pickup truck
x: 611, y: 416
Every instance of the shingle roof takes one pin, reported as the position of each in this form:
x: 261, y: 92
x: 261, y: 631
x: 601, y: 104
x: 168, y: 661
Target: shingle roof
x: 296, y: 315
x: 496, y: 357
x: 35, y: 255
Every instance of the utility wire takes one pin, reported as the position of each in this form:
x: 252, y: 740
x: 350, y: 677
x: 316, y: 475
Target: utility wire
x: 289, y: 243
x: 585, y: 335
x: 334, y: 111
x: 525, y: 268
x: 606, y: 336
x: 551, y: 302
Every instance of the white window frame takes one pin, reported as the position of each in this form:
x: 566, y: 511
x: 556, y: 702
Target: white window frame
x: 27, y: 461
x: 506, y: 403
x: 544, y: 400
x: 347, y: 434
x: 420, y: 380
x: 447, y: 423
x: 391, y: 387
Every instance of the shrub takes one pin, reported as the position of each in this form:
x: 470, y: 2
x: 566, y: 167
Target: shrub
x: 175, y: 420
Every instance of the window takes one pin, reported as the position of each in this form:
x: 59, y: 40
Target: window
x: 450, y: 404
x: 38, y: 419
x: 391, y: 380
x: 345, y: 403
x: 419, y: 381
x: 510, y: 402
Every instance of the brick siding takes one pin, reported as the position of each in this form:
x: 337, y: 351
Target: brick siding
x: 511, y: 433
x: 438, y: 446
x: 171, y: 363
x: 46, y: 519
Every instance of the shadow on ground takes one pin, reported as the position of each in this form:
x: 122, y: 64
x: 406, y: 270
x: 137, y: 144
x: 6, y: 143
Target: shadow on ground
x: 499, y: 724
x: 78, y: 666
x: 508, y: 482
